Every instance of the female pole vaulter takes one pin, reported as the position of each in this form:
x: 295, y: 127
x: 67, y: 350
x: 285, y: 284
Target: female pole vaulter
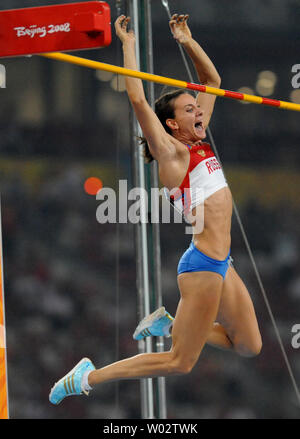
x: 215, y: 306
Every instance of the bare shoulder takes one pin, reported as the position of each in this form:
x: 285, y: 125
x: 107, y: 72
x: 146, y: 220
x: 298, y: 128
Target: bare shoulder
x: 170, y: 149
x: 172, y: 165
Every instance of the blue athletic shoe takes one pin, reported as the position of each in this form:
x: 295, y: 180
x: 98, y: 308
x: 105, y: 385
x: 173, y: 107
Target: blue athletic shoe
x: 70, y: 384
x: 158, y: 324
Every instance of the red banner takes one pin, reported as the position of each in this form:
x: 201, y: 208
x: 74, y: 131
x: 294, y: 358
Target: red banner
x: 56, y: 28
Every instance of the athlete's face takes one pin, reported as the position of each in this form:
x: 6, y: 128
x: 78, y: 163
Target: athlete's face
x: 188, y: 121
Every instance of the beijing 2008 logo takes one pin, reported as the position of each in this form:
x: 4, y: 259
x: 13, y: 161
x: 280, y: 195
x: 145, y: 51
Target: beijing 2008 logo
x: 41, y: 31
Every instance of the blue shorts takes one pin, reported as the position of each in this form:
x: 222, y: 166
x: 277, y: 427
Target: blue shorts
x: 194, y: 260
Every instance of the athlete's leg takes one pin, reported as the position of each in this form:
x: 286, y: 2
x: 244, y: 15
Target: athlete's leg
x: 237, y: 327
x: 195, y: 316
x: 237, y: 315
x: 219, y: 338
x: 160, y: 323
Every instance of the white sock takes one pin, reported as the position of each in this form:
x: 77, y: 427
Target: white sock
x: 84, y: 381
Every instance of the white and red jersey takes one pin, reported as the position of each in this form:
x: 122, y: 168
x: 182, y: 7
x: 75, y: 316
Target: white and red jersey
x: 204, y: 177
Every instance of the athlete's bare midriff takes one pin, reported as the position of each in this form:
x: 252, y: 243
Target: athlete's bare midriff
x: 214, y: 238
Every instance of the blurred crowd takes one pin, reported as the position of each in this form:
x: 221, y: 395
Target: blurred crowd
x: 70, y: 292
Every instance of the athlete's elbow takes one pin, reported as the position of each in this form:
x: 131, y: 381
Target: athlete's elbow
x: 212, y: 79
x: 216, y: 81
x: 137, y: 100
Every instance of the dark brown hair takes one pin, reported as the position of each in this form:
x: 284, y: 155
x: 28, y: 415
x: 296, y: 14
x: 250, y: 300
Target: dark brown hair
x: 164, y: 109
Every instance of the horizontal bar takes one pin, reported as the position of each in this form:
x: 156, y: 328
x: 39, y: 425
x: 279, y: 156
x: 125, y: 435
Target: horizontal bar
x: 171, y: 82
x: 114, y: 69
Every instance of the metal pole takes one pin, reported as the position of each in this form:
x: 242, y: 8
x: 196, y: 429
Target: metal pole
x: 141, y: 235
x: 155, y: 241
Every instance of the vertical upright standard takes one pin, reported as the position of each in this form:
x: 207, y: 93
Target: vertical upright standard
x: 147, y: 235
x: 141, y: 239
x: 4, y: 410
x: 146, y: 48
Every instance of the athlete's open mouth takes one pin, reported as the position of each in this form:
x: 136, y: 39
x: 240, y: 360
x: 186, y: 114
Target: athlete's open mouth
x: 199, y: 125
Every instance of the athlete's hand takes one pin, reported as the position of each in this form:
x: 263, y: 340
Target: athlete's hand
x: 121, y: 29
x: 179, y: 28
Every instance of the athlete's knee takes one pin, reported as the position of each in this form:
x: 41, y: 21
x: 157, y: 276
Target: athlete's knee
x: 249, y: 349
x: 255, y: 349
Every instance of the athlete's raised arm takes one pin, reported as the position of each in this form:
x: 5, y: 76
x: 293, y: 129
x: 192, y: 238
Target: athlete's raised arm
x: 206, y: 71
x: 158, y: 139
